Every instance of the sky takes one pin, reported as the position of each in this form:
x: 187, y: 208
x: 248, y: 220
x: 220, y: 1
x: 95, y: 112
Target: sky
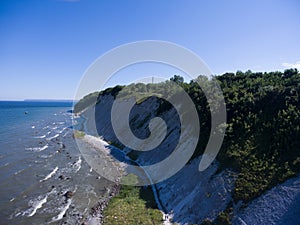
x: 47, y: 45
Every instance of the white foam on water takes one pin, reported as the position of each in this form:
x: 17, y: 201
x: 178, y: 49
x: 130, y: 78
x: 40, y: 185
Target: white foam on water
x: 77, y: 165
x: 62, y: 212
x: 45, y: 127
x: 66, y: 133
x: 16, y: 173
x: 12, y: 199
x: 38, y: 149
x: 54, y: 128
x: 62, y: 130
x: 43, y: 136
x: 46, y: 156
x: 50, y: 174
x: 18, y: 214
x: 32, y: 127
x: 6, y: 164
x: 50, y: 138
x: 37, y: 205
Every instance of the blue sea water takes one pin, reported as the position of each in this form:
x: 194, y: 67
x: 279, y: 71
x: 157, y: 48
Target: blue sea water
x: 39, y: 163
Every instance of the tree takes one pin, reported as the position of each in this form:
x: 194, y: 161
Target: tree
x: 289, y: 73
x: 177, y: 79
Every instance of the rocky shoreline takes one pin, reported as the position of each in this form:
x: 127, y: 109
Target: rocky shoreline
x: 100, y: 150
x: 96, y: 214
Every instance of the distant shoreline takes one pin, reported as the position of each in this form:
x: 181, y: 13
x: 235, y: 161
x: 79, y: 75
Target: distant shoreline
x: 48, y: 100
x: 39, y: 100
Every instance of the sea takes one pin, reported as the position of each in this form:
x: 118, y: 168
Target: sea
x: 43, y: 177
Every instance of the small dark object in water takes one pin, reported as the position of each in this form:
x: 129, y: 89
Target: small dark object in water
x: 69, y: 194
x: 26, y: 112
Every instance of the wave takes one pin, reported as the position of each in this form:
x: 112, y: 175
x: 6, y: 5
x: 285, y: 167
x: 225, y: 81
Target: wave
x: 50, y: 138
x: 45, y: 127
x: 50, y: 174
x: 38, y: 149
x: 37, y: 205
x: 54, y: 128
x: 45, y: 156
x: 62, y: 212
x: 66, y: 133
x: 43, y: 136
x: 77, y: 165
x: 19, y: 171
x: 6, y: 164
x: 62, y: 130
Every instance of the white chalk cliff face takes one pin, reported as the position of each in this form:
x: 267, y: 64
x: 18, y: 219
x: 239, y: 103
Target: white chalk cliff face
x: 189, y: 195
x: 192, y: 196
x: 280, y: 205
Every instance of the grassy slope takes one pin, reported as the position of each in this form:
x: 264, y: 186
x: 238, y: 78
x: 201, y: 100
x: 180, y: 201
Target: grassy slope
x: 132, y: 206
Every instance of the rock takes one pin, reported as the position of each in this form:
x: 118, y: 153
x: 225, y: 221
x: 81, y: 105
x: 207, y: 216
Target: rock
x: 62, y: 177
x: 69, y: 194
x: 61, y: 145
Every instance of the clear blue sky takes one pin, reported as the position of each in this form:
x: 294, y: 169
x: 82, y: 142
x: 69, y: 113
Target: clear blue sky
x: 46, y: 45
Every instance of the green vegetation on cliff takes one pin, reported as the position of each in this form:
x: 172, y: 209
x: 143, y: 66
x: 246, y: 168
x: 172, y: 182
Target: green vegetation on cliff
x: 262, y: 141
x: 134, y: 206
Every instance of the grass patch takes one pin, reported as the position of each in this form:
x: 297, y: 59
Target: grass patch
x: 133, y: 205
x: 78, y: 134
